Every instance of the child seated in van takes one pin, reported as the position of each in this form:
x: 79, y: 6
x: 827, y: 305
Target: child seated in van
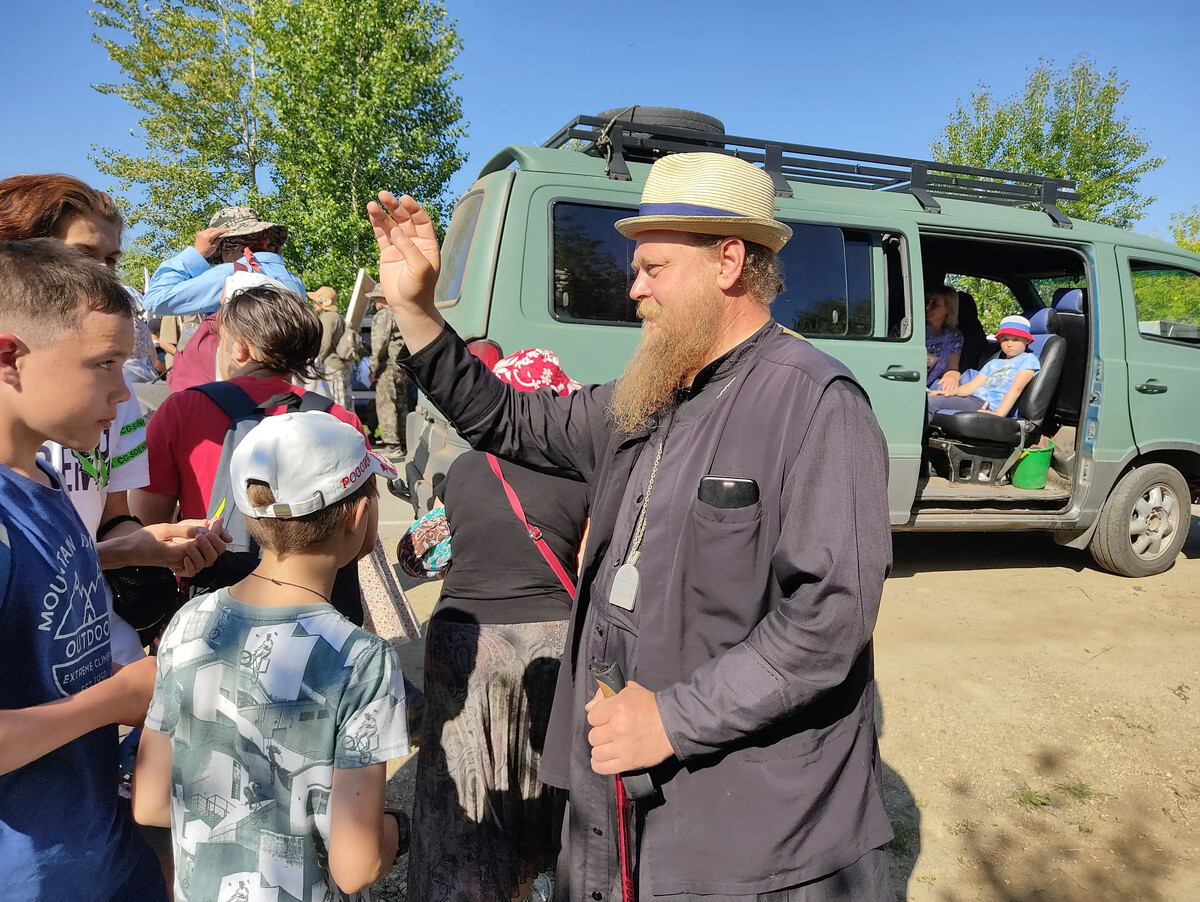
x: 273, y: 716
x: 999, y: 384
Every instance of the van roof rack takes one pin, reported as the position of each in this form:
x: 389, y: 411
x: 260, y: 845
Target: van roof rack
x: 615, y: 139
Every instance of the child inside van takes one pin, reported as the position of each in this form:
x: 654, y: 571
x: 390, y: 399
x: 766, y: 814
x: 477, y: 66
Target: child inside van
x: 273, y: 716
x: 65, y: 330
x: 999, y: 384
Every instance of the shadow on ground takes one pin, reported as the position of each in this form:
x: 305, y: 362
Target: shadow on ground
x: 925, y: 552
x: 1054, y: 840
x: 904, y: 815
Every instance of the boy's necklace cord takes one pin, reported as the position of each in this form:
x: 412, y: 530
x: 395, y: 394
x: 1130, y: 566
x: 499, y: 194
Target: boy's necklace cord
x: 282, y: 582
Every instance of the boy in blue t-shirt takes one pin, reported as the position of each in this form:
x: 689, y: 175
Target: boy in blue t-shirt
x: 273, y: 717
x: 1000, y: 382
x: 66, y: 328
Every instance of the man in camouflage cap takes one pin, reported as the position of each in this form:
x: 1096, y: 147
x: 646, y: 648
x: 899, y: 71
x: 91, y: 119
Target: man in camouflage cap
x: 391, y: 382
x: 236, y: 238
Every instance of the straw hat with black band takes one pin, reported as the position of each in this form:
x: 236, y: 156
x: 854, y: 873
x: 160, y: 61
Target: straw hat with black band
x: 709, y: 194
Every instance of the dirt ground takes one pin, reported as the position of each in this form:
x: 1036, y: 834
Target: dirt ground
x: 1039, y: 723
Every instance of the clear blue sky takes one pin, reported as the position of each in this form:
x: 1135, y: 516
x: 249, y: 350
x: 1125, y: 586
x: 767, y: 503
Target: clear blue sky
x: 869, y: 76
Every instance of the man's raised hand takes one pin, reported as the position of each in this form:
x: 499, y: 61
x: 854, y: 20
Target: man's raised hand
x: 409, y: 257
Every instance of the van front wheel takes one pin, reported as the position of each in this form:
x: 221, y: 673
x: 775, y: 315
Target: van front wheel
x: 1144, y: 522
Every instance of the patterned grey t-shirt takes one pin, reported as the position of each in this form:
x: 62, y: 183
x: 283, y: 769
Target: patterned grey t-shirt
x: 261, y: 704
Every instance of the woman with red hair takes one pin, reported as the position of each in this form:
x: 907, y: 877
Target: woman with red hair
x: 62, y: 207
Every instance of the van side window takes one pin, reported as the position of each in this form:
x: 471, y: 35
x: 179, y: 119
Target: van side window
x: 455, y: 249
x: 1046, y: 288
x: 826, y: 269
x: 993, y: 300
x: 591, y: 265
x: 827, y: 282
x: 1168, y: 301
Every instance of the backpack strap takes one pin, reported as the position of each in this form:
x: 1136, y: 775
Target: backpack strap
x: 310, y: 400
x: 534, y: 532
x: 236, y: 404
x: 232, y: 399
x: 315, y: 401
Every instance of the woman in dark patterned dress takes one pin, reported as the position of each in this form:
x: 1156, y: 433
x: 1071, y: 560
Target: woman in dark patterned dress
x: 483, y: 825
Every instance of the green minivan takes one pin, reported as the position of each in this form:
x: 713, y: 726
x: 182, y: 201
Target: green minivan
x: 531, y: 258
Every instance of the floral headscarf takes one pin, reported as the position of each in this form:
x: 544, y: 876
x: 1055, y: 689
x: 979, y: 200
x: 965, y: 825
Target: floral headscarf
x: 425, y: 550
x: 535, y: 368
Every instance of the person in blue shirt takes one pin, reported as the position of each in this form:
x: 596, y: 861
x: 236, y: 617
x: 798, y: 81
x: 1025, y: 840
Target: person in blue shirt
x: 65, y: 330
x: 999, y: 384
x: 192, y: 280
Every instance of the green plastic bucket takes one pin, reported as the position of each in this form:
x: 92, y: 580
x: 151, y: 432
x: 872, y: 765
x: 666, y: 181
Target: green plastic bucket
x: 1030, y: 471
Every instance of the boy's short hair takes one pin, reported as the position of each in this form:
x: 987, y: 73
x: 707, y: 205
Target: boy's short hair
x: 297, y: 477
x: 284, y: 537
x: 283, y: 330
x: 47, y: 287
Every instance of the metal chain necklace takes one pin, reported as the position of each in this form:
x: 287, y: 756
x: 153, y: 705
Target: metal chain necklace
x: 624, y: 589
x: 283, y: 582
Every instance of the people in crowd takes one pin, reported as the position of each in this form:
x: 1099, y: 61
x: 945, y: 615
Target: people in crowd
x: 174, y: 333
x: 64, y: 333
x: 97, y: 479
x: 1000, y: 382
x: 734, y: 565
x: 143, y: 364
x: 294, y: 760
x: 334, y: 366
x: 943, y: 340
x: 196, y: 362
x: 236, y: 238
x: 390, y: 381
x: 484, y: 825
x: 266, y: 338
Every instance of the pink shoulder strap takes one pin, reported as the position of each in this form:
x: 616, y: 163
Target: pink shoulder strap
x: 534, y: 532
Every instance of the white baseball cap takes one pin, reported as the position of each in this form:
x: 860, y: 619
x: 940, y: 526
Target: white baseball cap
x: 244, y: 281
x: 309, y: 459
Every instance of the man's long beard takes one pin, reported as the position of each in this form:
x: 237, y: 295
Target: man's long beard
x: 646, y: 389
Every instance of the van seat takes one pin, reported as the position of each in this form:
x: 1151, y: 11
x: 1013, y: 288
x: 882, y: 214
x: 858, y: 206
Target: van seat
x: 973, y: 333
x: 982, y: 447
x: 1071, y: 306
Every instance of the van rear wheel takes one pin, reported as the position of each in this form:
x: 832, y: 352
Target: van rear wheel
x: 1144, y: 522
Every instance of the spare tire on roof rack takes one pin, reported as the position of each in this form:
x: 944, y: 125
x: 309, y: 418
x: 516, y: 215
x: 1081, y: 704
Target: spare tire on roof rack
x: 651, y: 144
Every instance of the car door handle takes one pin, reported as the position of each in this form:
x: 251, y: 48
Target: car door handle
x: 903, y: 375
x: 1151, y: 388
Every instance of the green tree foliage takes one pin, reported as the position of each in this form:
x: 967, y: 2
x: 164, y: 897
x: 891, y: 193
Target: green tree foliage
x: 194, y: 72
x: 300, y: 108
x: 993, y: 300
x: 1166, y: 295
x: 1063, y: 124
x: 362, y: 93
x: 1185, y: 229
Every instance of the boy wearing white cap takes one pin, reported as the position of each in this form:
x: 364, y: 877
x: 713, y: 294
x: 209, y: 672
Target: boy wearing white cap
x: 273, y: 716
x: 1001, y: 381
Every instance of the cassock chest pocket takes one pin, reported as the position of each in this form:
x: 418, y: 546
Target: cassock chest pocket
x: 725, y: 572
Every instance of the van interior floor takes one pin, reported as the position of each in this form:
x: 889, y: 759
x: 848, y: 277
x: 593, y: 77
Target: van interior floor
x: 938, y: 493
